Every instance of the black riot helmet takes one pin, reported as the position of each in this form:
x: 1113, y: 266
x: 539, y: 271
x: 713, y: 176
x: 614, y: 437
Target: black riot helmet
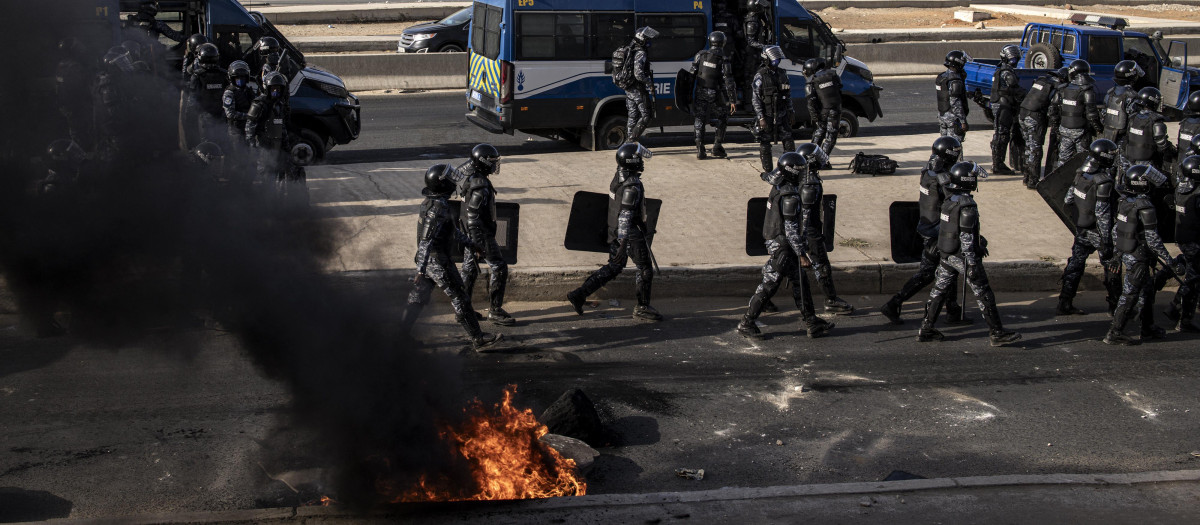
x: 438, y: 181
x: 1190, y: 168
x: 812, y: 65
x: 486, y: 159
x: 716, y: 40
x: 1195, y: 142
x: 632, y: 156
x: 210, y: 156
x: 267, y: 45
x: 239, y: 70
x: 1127, y: 72
x: 276, y: 85
x: 1135, y: 181
x: 1150, y: 98
x: 1078, y: 69
x: 134, y: 49
x: 147, y: 9
x: 644, y: 36
x: 195, y: 41
x: 117, y: 60
x: 813, y: 155
x: 772, y: 55
x: 1103, y: 152
x: 957, y: 59
x: 1010, y: 54
x: 964, y: 177
x: 1062, y: 74
x: 1193, y: 102
x: 757, y: 6
x: 793, y: 167
x: 947, y: 148
x: 208, y: 54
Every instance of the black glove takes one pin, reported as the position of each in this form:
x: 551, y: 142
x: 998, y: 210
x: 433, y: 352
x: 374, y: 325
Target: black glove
x: 983, y: 244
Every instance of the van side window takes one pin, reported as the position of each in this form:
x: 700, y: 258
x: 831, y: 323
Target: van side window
x: 485, y: 30
x: 552, y: 36
x: 1069, y: 44
x: 803, y: 39
x: 612, y: 30
x: 1104, y: 50
x: 1031, y: 38
x: 680, y: 36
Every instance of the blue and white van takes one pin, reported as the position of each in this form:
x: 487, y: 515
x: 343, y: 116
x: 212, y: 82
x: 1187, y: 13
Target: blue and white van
x: 538, y: 66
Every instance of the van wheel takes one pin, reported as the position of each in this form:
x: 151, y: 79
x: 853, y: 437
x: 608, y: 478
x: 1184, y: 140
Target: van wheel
x: 314, y: 141
x: 848, y: 124
x: 1042, y: 56
x: 611, y: 133
x: 451, y: 48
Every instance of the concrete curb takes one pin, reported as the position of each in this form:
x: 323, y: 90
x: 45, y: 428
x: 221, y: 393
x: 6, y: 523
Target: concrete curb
x: 361, y: 13
x: 728, y: 494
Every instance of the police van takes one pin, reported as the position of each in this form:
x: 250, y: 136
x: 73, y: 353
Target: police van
x: 539, y: 66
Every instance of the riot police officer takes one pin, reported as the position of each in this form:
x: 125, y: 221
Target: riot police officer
x: 1119, y: 98
x: 1007, y: 93
x: 946, y: 152
x: 627, y: 235
x: 1140, y: 247
x: 146, y: 21
x: 267, y: 128
x: 1147, y: 141
x: 1092, y: 196
x: 952, y: 96
x: 435, y: 234
x: 1187, y: 238
x: 783, y: 233
x: 269, y: 53
x: 771, y: 96
x: 638, y: 100
x: 1073, y: 114
x: 1189, y: 128
x: 735, y: 39
x: 812, y: 192
x: 1032, y: 119
x: 715, y: 93
x: 478, y: 216
x: 823, y: 94
x: 189, y: 53
x: 962, y: 249
x: 237, y: 99
x: 206, y: 87
x: 756, y: 28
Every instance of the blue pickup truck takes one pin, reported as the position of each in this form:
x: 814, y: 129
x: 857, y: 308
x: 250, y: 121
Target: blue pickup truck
x: 1103, y: 42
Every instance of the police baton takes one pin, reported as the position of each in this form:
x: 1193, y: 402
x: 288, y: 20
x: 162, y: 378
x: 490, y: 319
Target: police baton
x: 1167, y: 265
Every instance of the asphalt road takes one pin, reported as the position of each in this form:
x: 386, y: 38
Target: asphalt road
x: 432, y: 125
x: 91, y: 432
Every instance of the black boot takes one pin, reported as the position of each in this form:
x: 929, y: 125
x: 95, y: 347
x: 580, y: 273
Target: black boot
x: 1000, y: 168
x: 1001, y: 337
x: 819, y: 327
x: 837, y: 305
x: 646, y: 313
x: 718, y: 151
x: 1115, y: 337
x: 927, y: 333
x: 1153, y: 332
x: 891, y: 310
x: 484, y: 340
x: 701, y: 154
x: 956, y: 316
x: 769, y: 307
x: 1066, y: 308
x: 576, y: 298
x: 748, y: 329
x: 498, y: 316
x: 764, y: 156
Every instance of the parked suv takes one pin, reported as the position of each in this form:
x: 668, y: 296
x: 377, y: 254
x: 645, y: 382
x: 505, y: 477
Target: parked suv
x: 446, y: 35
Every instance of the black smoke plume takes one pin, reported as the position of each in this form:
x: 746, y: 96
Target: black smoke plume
x: 137, y: 237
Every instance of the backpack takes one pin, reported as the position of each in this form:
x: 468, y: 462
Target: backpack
x: 872, y: 164
x: 622, y: 67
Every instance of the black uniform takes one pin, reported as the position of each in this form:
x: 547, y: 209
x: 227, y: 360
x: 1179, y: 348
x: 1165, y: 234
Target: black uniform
x: 1146, y: 142
x: 756, y: 28
x: 478, y: 216
x: 930, y: 201
x: 1074, y: 115
x: 1117, y: 111
x: 1092, y: 195
x: 772, y: 100
x: 715, y: 90
x: 824, y: 98
x: 626, y: 237
x: 1033, y: 119
x: 735, y: 39
x: 435, y: 234
x: 812, y: 192
x: 637, y: 96
x: 236, y: 102
x: 1189, y: 127
x: 1135, y: 234
x: 952, y: 103
x: 267, y: 132
x: 1187, y: 238
x: 1007, y: 94
x: 206, y: 89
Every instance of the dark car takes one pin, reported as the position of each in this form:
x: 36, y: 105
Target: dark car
x: 446, y: 35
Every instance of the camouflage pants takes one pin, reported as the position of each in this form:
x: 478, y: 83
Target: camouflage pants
x: 826, y: 134
x: 1137, y: 294
x: 440, y: 271
x: 1188, y: 296
x: 1070, y: 143
x: 930, y: 258
x: 820, y: 263
x: 1086, y: 243
x: 708, y: 109
x: 635, y: 248
x: 951, y: 124
x: 1033, y: 128
x: 497, y: 269
x: 637, y: 111
x: 944, y: 286
x: 783, y: 264
x: 1003, y: 134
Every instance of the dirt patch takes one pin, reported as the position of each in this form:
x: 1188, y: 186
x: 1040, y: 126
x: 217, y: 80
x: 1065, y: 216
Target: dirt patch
x: 381, y: 29
x: 1190, y: 13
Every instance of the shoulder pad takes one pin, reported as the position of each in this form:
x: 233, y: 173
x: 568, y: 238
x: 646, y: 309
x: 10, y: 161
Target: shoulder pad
x: 630, y: 196
x: 968, y: 216
x: 476, y: 199
x: 256, y: 109
x: 1160, y: 128
x: 1104, y: 185
x: 1146, y: 213
x: 789, y: 205
x: 1089, y: 95
x: 808, y: 194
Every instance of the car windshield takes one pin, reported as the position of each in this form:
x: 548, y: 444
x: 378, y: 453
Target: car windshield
x: 460, y: 17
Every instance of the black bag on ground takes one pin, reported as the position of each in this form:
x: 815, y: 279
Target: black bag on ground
x: 872, y: 164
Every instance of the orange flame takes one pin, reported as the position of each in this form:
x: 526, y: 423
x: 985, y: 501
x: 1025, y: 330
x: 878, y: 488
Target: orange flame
x: 506, y: 459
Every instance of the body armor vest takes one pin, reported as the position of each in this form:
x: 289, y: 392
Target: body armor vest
x: 616, y: 191
x: 1074, y: 114
x: 1085, y: 197
x: 1139, y: 144
x: 811, y: 194
x: 825, y: 84
x: 1129, y: 226
x: 1188, y: 128
x: 756, y: 29
x: 942, y: 83
x: 1115, y: 116
x: 708, y: 71
x: 210, y: 84
x: 930, y: 202
x: 948, y: 241
x: 435, y: 215
x: 240, y: 99
x: 1002, y: 93
x: 1038, y: 98
x: 1187, y: 217
x: 772, y: 91
x: 773, y: 223
x: 478, y: 209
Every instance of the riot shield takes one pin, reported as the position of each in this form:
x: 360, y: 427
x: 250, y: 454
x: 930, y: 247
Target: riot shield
x: 907, y: 244
x: 1054, y: 187
x: 1016, y: 150
x: 685, y: 84
x: 1164, y: 208
x: 587, y: 226
x: 508, y: 222
x: 1051, y: 155
x: 756, y: 215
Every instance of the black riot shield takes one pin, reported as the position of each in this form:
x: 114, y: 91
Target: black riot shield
x: 685, y: 85
x: 756, y: 215
x: 907, y: 244
x: 1054, y: 187
x: 1051, y: 155
x: 508, y: 221
x: 1164, y: 209
x: 587, y: 227
x: 1016, y: 150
